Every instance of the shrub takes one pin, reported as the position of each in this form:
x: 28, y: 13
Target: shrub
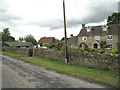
x: 58, y: 46
x: 52, y: 46
x: 82, y: 49
x: 46, y: 45
x: 113, y: 51
x: 100, y: 51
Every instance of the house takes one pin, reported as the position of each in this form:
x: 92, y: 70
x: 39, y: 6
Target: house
x: 73, y: 41
x: 49, y: 40
x: 92, y: 36
x: 19, y: 44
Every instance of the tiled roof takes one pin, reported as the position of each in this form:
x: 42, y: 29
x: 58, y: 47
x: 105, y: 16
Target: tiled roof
x: 73, y: 40
x: 21, y: 44
x: 97, y: 30
x: 49, y: 40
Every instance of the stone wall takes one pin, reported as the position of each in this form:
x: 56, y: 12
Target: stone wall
x: 93, y: 60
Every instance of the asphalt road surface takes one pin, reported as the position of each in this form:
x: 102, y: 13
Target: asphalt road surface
x: 20, y: 74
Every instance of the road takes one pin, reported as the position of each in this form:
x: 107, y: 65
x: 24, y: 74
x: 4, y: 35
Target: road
x: 20, y: 74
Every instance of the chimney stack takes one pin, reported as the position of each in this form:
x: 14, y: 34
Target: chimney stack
x: 71, y: 35
x: 83, y: 25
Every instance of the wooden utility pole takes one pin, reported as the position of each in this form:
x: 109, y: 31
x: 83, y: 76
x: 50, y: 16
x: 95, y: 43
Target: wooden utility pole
x: 66, y: 52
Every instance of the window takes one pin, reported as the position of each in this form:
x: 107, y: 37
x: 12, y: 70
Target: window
x: 97, y: 37
x: 110, y: 46
x: 84, y: 38
x: 105, y: 29
x: 110, y: 37
x: 88, y: 29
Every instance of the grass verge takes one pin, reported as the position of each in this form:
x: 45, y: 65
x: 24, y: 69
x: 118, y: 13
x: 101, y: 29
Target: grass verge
x: 104, y: 77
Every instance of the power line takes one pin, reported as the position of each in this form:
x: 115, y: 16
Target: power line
x: 79, y: 11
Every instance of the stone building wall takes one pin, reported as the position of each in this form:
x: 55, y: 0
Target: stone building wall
x: 91, y: 40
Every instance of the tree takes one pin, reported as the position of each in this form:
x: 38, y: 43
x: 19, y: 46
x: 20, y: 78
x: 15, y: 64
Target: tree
x: 6, y: 36
x: 20, y: 39
x: 114, y: 19
x: 63, y: 39
x: 104, y: 44
x: 0, y: 36
x: 30, y: 38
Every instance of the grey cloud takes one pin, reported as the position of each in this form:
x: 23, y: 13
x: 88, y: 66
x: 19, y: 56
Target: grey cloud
x: 5, y: 16
x: 52, y: 24
x: 97, y: 12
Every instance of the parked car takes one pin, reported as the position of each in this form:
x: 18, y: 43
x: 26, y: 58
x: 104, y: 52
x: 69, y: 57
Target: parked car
x: 40, y: 47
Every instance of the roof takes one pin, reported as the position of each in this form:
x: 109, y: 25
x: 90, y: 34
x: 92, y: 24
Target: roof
x: 73, y: 40
x: 21, y: 44
x: 49, y: 40
x: 97, y: 30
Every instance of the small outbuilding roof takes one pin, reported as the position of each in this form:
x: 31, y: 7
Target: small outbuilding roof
x: 21, y: 44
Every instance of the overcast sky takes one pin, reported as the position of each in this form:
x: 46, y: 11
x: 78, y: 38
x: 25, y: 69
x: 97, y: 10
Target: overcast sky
x: 45, y: 17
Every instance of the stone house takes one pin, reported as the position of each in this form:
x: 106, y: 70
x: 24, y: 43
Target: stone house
x: 49, y: 40
x: 93, y: 35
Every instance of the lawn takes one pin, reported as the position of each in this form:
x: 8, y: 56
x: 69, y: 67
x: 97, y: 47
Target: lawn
x: 95, y: 75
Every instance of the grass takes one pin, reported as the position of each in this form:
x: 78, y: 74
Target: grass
x: 104, y: 77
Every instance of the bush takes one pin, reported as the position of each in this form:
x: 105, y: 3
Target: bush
x: 46, y: 45
x: 82, y: 49
x: 113, y: 51
x: 58, y: 46
x: 52, y: 46
x: 100, y: 51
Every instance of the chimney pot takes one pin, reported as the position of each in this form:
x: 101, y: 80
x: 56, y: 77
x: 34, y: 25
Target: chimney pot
x: 71, y: 35
x: 83, y: 25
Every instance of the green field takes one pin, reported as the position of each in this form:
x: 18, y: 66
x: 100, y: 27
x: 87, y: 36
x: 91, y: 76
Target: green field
x: 95, y: 75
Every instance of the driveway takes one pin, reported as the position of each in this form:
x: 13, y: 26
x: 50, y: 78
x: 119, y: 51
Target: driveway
x: 20, y: 74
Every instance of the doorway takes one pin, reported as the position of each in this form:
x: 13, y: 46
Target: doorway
x: 95, y: 45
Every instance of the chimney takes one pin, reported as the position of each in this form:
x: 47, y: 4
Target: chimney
x: 71, y: 35
x: 83, y: 25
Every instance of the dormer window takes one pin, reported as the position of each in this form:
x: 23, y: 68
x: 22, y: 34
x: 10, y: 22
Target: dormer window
x: 88, y: 29
x: 104, y: 27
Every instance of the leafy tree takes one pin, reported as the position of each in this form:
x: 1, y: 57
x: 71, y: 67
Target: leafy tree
x: 21, y: 39
x: 114, y: 19
x: 6, y: 36
x: 0, y: 36
x: 30, y: 38
x: 41, y: 44
x: 103, y: 44
x: 63, y: 39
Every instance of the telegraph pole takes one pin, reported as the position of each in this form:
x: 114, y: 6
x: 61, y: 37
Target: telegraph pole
x: 66, y: 52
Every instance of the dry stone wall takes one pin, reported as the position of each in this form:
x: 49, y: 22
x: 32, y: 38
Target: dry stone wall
x: 93, y: 60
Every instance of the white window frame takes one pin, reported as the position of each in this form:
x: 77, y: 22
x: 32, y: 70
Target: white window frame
x: 84, y: 38
x: 97, y: 37
x: 110, y: 37
x: 110, y: 45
